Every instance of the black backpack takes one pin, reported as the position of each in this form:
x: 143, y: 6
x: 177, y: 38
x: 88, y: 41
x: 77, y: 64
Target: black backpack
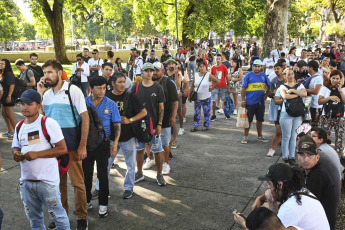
x: 36, y: 75
x: 20, y: 87
x: 96, y: 129
x: 294, y: 107
x: 95, y: 73
x: 334, y: 109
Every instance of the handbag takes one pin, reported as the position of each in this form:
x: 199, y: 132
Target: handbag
x: 194, y: 94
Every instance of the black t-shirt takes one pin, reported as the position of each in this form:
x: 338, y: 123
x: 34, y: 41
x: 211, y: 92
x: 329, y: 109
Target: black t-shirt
x: 109, y: 86
x: 171, y: 97
x: 320, y: 183
x: 150, y: 97
x: 329, y: 55
x: 134, y: 107
x: 164, y: 58
x: 38, y: 71
x: 86, y: 59
x: 7, y: 80
x: 227, y: 64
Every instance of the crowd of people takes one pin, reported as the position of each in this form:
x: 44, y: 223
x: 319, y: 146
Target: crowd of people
x: 137, y: 106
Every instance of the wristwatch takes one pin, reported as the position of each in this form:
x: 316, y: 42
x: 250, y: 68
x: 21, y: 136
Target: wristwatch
x: 131, y: 120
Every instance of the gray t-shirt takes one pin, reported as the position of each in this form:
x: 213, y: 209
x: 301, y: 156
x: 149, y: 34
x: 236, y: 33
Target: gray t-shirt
x: 26, y: 75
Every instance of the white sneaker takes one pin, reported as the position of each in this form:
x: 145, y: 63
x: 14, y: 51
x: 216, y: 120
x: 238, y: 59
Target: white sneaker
x: 184, y: 120
x: 181, y: 131
x: 103, y: 211
x: 149, y: 163
x: 220, y: 111
x: 235, y: 112
x: 166, y: 168
x: 271, y: 152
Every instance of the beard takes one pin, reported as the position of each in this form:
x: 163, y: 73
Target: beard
x: 171, y: 68
x: 51, y: 83
x: 155, y: 77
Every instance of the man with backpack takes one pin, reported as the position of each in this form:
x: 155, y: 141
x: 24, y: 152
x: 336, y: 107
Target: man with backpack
x: 131, y: 110
x: 108, y: 116
x: 36, y: 69
x: 37, y: 141
x: 151, y: 95
x: 56, y: 104
x: 95, y: 64
x: 26, y: 74
x: 313, y: 85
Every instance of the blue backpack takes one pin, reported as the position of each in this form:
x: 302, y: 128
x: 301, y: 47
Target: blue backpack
x: 229, y: 106
x: 307, y: 80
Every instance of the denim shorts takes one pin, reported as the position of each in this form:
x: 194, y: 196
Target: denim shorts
x: 166, y: 136
x: 155, y: 143
x: 222, y: 92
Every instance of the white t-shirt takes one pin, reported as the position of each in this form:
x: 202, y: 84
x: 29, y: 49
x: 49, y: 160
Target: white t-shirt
x: 276, y: 53
x: 321, y: 70
x: 139, y: 62
x: 268, y: 62
x: 305, y: 59
x: 301, y: 86
x: 325, y: 92
x: 93, y: 63
x: 84, y: 75
x: 272, y: 76
x: 310, y: 215
x: 31, y: 138
x: 318, y: 80
x: 203, y: 92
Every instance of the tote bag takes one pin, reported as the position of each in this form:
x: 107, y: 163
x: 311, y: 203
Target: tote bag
x: 242, y: 118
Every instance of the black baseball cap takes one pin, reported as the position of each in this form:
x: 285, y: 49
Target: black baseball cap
x: 278, y: 172
x: 306, y: 144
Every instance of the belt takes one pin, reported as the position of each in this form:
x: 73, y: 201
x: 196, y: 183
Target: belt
x: 34, y: 180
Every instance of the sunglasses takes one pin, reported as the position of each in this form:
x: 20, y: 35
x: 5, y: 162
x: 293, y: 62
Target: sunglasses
x: 78, y: 59
x: 94, y: 53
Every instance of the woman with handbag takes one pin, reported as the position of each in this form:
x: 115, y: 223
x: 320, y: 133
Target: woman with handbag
x: 201, y: 95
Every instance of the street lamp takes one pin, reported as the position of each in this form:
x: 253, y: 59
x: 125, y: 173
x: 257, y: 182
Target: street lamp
x: 178, y: 43
x: 102, y: 14
x: 115, y: 32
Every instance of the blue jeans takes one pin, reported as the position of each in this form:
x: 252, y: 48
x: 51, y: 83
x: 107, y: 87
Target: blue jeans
x: 34, y: 195
x: 84, y: 86
x: 130, y: 154
x: 191, y: 67
x: 289, y: 126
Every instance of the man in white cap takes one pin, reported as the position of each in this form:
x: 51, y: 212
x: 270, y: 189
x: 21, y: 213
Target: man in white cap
x: 276, y: 53
x: 255, y: 86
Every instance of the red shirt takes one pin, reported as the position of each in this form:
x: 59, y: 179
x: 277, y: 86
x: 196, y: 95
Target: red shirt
x: 184, y: 52
x: 220, y: 72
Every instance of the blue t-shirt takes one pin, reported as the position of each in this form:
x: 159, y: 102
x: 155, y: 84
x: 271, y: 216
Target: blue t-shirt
x: 107, y: 111
x: 255, y: 85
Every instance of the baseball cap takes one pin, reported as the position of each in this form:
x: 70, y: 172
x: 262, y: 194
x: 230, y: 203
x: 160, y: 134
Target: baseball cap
x: 171, y: 60
x: 158, y: 65
x: 280, y: 43
x: 257, y: 62
x: 148, y: 65
x: 328, y: 47
x: 152, y: 53
x: 134, y: 48
x: 306, y: 145
x: 278, y: 172
x: 29, y: 96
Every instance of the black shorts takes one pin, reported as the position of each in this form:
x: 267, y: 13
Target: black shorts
x: 315, y: 114
x: 5, y: 104
x: 184, y: 99
x: 258, y: 110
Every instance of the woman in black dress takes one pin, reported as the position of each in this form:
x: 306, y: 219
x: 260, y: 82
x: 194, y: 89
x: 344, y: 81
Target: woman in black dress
x: 7, y: 80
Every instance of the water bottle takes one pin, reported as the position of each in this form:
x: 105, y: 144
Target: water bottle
x: 143, y: 125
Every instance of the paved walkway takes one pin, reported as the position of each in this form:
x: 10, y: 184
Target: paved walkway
x: 212, y: 175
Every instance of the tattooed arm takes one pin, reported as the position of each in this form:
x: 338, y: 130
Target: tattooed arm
x: 160, y: 118
x: 117, y: 131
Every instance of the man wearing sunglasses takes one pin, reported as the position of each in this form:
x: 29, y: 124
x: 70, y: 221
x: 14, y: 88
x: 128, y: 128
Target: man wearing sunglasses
x: 95, y: 64
x: 81, y: 69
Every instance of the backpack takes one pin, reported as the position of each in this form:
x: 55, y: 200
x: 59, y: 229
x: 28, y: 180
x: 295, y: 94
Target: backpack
x: 95, y: 73
x: 96, y: 129
x: 334, y: 109
x: 229, y: 106
x: 143, y: 129
x: 294, y: 107
x: 307, y: 80
x: 36, y: 75
x: 20, y: 87
x: 63, y: 160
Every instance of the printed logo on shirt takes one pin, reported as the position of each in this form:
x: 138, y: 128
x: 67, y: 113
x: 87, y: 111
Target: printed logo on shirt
x: 33, y: 138
x: 219, y: 74
x: 106, y: 111
x: 119, y: 105
x: 153, y: 95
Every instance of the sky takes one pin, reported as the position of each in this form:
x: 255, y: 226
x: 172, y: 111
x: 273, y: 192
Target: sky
x: 25, y: 9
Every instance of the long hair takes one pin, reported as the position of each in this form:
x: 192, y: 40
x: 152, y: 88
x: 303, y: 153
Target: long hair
x: 8, y: 67
x: 333, y: 73
x: 237, y: 61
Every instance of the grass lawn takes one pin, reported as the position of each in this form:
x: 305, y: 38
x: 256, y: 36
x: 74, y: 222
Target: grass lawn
x: 67, y: 68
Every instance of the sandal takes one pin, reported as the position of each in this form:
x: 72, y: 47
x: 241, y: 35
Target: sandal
x: 205, y: 129
x: 194, y: 129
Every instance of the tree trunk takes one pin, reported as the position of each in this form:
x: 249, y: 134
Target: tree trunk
x: 55, y: 20
x: 188, y: 11
x: 323, y: 18
x: 275, y: 29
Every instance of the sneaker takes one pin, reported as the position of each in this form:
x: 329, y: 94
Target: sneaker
x: 89, y: 206
x: 271, y: 152
x: 285, y: 160
x: 160, y: 179
x: 213, y: 117
x: 113, y: 165
x: 244, y: 140
x: 262, y: 139
x: 181, y: 131
x: 52, y: 226
x: 127, y: 194
x: 149, y: 163
x: 103, y: 211
x: 7, y: 134
x: 166, y: 168
x: 227, y: 117
x: 220, y: 111
x: 184, y: 120
x: 82, y: 224
x: 174, y: 144
x: 171, y: 156
x: 10, y: 137
x: 95, y: 194
x: 235, y: 112
x: 139, y: 177
x: 292, y: 162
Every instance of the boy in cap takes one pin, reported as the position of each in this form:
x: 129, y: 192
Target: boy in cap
x: 37, y: 141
